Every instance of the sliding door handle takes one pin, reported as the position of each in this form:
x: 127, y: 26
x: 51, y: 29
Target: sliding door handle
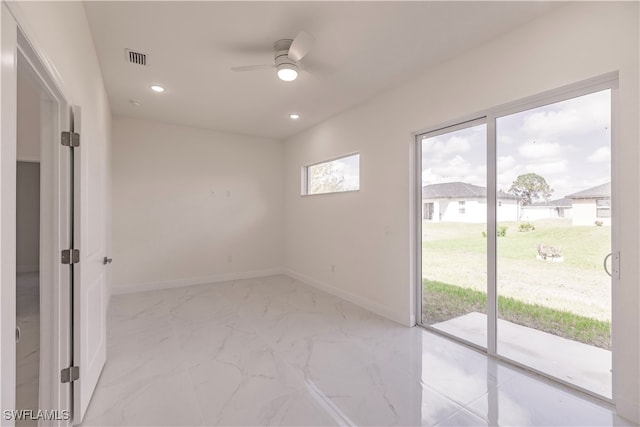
x: 106, y: 260
x: 605, y: 265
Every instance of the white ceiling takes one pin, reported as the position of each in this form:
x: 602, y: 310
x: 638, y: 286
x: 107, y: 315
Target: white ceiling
x: 362, y: 48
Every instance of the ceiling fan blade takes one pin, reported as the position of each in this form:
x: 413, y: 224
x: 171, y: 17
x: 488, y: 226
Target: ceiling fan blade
x: 252, y: 67
x: 300, y: 46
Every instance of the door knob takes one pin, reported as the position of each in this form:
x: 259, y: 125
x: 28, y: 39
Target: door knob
x: 106, y: 260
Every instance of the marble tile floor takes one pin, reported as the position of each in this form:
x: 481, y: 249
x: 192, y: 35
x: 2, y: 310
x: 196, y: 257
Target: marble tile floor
x: 28, y: 348
x: 274, y: 351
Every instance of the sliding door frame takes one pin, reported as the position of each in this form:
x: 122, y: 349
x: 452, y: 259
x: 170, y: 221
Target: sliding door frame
x: 465, y: 123
x: 489, y: 116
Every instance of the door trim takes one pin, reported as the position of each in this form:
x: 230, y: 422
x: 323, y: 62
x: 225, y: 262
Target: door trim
x: 8, y: 159
x: 55, y: 217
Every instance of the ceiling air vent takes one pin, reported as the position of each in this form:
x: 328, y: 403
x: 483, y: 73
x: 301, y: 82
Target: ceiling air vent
x: 136, y: 57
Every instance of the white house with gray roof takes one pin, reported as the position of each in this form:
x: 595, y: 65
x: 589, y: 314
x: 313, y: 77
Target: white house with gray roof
x: 464, y: 202
x: 592, y: 205
x: 553, y: 209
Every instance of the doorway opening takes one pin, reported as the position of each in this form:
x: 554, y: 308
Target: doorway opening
x: 28, y: 246
x: 516, y: 247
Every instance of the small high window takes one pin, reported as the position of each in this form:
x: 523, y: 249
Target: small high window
x: 333, y: 176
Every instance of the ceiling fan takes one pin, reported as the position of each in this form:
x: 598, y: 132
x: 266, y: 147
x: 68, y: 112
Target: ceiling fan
x: 288, y: 54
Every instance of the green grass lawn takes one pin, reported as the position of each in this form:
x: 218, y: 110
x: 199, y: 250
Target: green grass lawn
x: 582, y: 246
x: 443, y: 302
x: 571, y: 298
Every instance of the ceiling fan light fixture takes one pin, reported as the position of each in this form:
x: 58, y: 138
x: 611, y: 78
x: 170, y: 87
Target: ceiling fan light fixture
x: 287, y: 72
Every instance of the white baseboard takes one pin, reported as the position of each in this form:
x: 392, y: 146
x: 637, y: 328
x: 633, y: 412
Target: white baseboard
x: 355, y: 299
x: 27, y: 268
x: 179, y: 283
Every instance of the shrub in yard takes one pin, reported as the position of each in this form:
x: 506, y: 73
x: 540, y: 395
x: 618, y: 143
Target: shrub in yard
x: 599, y: 223
x: 525, y: 227
x: 500, y: 232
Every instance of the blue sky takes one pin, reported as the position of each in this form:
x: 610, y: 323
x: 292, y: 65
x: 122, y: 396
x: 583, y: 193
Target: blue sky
x: 568, y: 143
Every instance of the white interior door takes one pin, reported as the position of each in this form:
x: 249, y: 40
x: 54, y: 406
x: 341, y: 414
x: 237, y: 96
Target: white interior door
x: 89, y: 275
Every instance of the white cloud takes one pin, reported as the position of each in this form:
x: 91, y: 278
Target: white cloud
x: 505, y: 162
x: 579, y: 115
x: 548, y: 168
x: 441, y: 147
x: 601, y: 155
x: 540, y: 150
x: 456, y: 169
x: 504, y: 139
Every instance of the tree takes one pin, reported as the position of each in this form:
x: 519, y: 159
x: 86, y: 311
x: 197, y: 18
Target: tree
x: 324, y: 178
x: 531, y: 188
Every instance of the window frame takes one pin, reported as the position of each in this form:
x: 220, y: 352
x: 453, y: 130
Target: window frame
x: 603, y: 210
x: 304, y: 190
x: 462, y: 207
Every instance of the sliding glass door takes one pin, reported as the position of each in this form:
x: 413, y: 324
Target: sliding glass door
x: 516, y: 238
x: 454, y: 224
x: 554, y: 296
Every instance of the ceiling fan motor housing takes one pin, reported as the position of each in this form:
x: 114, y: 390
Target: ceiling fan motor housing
x: 282, y: 60
x: 282, y: 54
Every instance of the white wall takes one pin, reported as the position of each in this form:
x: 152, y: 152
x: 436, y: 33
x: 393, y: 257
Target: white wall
x: 532, y: 213
x: 475, y: 210
x: 367, y: 235
x: 586, y: 213
x: 27, y: 216
x: 186, y: 199
x: 507, y: 210
x: 28, y: 125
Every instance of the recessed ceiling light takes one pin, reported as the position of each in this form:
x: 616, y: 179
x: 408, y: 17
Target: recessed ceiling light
x: 134, y: 102
x: 294, y: 116
x: 157, y: 88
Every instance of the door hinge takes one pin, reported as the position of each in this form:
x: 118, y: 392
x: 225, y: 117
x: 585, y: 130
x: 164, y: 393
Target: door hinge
x: 70, y: 374
x: 70, y: 139
x: 70, y: 256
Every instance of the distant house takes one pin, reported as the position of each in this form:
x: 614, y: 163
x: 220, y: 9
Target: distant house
x: 463, y: 202
x: 591, y: 205
x: 559, y: 208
